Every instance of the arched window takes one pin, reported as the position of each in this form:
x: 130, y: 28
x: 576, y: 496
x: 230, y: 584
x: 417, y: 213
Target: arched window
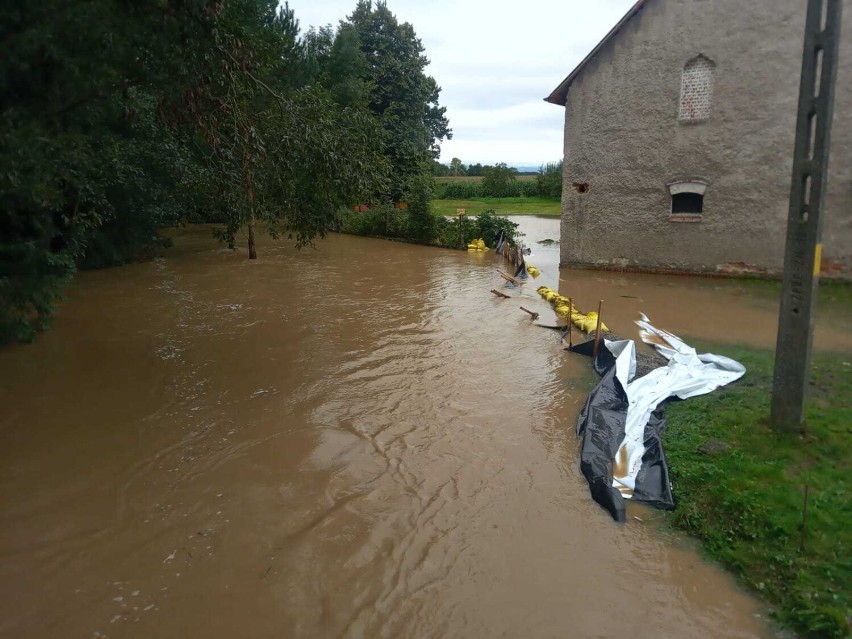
x: 696, y: 89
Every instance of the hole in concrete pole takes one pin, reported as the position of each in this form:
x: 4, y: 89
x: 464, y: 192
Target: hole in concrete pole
x: 823, y: 16
x: 817, y: 73
x: 806, y: 198
x: 812, y: 120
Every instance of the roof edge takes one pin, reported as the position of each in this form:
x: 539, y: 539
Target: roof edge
x: 560, y: 93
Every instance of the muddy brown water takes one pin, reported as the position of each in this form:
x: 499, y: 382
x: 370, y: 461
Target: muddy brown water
x: 352, y: 441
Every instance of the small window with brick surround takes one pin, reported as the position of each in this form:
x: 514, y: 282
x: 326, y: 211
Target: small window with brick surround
x: 696, y: 89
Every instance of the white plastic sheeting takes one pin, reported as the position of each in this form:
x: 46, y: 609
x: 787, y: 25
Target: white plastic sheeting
x: 687, y: 374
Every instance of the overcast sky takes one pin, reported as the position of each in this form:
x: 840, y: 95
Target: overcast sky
x: 495, y: 61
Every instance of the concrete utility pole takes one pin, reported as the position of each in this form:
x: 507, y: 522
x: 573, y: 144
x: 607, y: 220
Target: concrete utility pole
x: 804, y: 224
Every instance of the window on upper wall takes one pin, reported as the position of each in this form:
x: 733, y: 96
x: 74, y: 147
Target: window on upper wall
x: 696, y: 89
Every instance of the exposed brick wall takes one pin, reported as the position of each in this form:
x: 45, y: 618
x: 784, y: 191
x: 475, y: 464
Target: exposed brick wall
x: 696, y: 90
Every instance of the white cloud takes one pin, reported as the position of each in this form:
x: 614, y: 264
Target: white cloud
x: 495, y: 61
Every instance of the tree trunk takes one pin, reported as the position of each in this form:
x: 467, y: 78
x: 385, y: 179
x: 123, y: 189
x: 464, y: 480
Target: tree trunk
x: 251, y: 243
x: 252, y: 246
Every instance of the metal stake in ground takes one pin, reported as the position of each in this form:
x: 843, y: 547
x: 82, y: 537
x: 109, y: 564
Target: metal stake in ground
x: 598, y: 331
x: 804, y: 222
x: 570, y: 319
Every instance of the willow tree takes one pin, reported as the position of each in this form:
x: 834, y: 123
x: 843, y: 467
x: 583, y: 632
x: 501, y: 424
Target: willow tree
x: 286, y: 156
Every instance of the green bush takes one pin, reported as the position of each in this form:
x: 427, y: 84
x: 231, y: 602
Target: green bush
x: 489, y: 224
x: 486, y: 225
x: 476, y: 189
x: 448, y: 231
x: 422, y: 223
x: 419, y: 224
x: 549, y: 180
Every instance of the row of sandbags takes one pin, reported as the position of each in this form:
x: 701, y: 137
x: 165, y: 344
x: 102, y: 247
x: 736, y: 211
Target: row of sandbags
x: 584, y: 321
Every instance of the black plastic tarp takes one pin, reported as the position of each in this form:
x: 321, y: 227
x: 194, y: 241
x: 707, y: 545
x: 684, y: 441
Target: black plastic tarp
x: 601, y: 425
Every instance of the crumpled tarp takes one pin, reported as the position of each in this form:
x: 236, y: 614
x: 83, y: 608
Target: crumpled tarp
x: 499, y: 241
x: 622, y: 424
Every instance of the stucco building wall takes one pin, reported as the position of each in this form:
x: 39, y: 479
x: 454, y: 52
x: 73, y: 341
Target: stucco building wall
x: 623, y: 137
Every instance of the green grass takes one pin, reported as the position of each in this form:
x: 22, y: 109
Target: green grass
x: 746, y: 504
x: 504, y: 206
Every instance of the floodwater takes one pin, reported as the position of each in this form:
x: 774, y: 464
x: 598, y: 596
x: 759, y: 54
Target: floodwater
x: 353, y: 441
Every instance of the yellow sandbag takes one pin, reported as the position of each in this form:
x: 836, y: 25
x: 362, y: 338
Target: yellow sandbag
x: 477, y: 245
x: 532, y: 270
x: 586, y: 322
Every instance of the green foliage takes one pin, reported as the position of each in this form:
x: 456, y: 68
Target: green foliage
x: 32, y: 280
x: 746, y: 503
x: 458, y: 190
x: 456, y: 167
x: 422, y: 222
x: 399, y: 93
x: 486, y: 225
x: 549, y: 207
x: 498, y: 180
x: 418, y: 223
x: 438, y: 169
x: 549, y: 180
x: 490, y: 224
x: 118, y: 118
x: 480, y: 188
x: 82, y: 153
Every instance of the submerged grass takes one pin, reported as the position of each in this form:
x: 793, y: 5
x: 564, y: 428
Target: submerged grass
x: 503, y: 206
x: 744, y: 500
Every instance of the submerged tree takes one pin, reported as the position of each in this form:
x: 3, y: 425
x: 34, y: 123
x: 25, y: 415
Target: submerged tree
x: 117, y: 118
x: 286, y: 155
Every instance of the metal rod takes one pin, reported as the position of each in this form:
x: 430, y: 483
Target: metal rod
x: 570, y: 319
x: 804, y: 521
x: 598, y: 331
x: 499, y: 294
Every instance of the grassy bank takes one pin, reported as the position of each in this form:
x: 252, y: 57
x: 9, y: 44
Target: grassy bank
x: 503, y: 206
x: 743, y: 495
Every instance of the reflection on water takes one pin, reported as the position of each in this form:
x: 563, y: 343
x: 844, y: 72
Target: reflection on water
x: 358, y: 440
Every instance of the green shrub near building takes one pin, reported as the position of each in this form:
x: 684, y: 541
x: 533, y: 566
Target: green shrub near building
x: 418, y: 223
